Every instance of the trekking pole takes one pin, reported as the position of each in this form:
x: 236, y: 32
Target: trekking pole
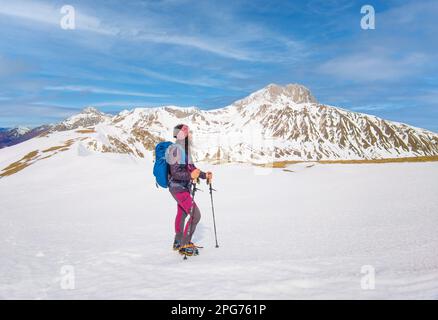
x: 194, y: 189
x: 212, y: 209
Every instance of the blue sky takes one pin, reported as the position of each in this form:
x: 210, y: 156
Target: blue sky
x: 124, y: 54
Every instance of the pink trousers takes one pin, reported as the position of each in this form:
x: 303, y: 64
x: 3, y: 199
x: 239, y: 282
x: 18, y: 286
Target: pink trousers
x: 184, y: 204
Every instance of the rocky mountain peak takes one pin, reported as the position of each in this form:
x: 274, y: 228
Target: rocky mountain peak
x: 91, y: 110
x: 20, y: 130
x: 296, y: 92
x: 89, y: 116
x: 274, y: 94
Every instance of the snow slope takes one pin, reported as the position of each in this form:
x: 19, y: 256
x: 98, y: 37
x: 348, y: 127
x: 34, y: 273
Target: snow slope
x: 303, y: 233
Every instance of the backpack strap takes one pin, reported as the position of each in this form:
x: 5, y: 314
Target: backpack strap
x: 182, y: 159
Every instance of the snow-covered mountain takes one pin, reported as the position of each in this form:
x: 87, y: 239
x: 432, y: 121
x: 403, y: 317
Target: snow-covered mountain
x: 9, y: 137
x: 276, y: 123
x: 20, y: 130
x: 273, y: 124
x: 88, y: 117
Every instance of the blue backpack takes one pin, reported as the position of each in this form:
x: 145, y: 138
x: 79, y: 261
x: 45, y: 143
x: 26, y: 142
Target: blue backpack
x: 161, y: 167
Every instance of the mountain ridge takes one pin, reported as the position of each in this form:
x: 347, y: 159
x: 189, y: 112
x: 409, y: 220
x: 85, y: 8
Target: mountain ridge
x: 273, y: 124
x: 16, y: 135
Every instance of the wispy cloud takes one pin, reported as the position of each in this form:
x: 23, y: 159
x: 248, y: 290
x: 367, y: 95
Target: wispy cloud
x: 153, y: 30
x: 202, y: 82
x: 125, y: 104
x: 376, y: 107
x: 215, y: 46
x: 400, y: 47
x: 11, y: 67
x: 15, y: 113
x: 89, y: 89
x: 374, y: 66
x: 328, y: 7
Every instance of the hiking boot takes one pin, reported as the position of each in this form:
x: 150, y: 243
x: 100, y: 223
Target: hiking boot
x: 195, y: 248
x: 188, y: 250
x: 176, y: 245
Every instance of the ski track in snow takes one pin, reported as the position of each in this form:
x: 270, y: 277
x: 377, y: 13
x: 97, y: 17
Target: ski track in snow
x: 282, y: 235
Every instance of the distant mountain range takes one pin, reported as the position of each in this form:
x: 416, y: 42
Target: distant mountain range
x: 11, y: 136
x: 276, y: 123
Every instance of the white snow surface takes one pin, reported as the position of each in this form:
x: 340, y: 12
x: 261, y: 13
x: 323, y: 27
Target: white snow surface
x: 282, y: 235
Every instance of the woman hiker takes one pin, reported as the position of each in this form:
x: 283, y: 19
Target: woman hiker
x: 181, y: 172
